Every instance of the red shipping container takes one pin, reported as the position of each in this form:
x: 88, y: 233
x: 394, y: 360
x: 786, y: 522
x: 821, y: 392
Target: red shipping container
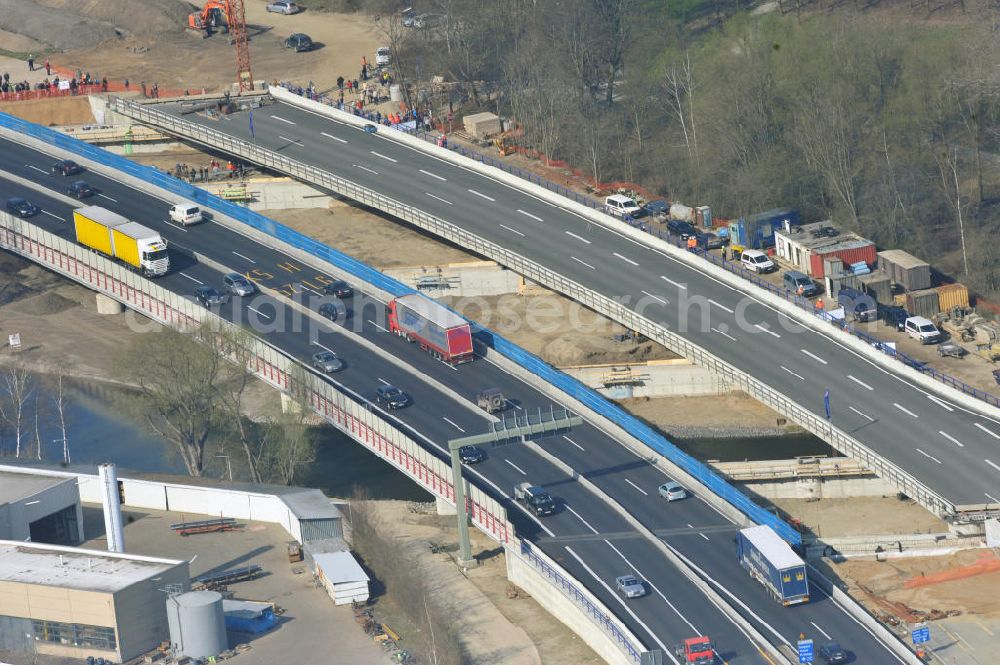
x: 849, y: 255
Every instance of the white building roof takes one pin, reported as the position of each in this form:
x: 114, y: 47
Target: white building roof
x: 75, y: 568
x: 772, y: 546
x: 340, y: 567
x: 15, y: 487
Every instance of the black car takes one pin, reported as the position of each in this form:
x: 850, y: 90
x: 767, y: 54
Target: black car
x: 893, y: 315
x: 209, y: 296
x: 832, y: 653
x: 21, y: 207
x: 471, y: 454
x: 66, y: 167
x: 332, y: 310
x: 682, y: 229
x: 391, y: 397
x: 339, y: 288
x: 300, y: 42
x: 80, y: 189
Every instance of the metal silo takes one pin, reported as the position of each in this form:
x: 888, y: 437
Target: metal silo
x: 197, y: 624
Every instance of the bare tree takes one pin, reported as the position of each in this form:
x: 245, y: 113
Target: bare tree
x: 60, y: 401
x: 294, y: 444
x: 18, y: 387
x: 679, y: 84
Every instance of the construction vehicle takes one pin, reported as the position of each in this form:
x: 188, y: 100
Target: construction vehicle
x: 139, y: 248
x: 438, y: 330
x: 696, y: 651
x: 504, y: 146
x: 769, y: 560
x: 214, y: 16
x: 227, y: 16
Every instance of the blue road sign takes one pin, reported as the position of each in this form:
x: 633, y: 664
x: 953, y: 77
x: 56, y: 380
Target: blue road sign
x: 805, y: 651
x: 921, y: 635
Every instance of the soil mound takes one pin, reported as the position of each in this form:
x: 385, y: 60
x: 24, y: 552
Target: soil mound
x: 44, y: 303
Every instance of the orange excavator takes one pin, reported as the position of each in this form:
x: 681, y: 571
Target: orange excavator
x: 214, y: 16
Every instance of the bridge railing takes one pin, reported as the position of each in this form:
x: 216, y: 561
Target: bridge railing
x: 542, y: 275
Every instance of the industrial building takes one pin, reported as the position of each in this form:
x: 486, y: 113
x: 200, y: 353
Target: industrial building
x: 40, y: 508
x: 70, y: 602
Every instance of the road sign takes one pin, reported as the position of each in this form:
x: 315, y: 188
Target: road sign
x: 805, y: 651
x: 921, y: 634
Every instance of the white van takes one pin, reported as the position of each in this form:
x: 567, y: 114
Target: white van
x: 186, y: 214
x: 923, y: 329
x: 620, y: 205
x: 757, y: 261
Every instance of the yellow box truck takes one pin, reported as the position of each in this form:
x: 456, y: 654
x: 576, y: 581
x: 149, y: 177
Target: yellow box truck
x: 133, y: 244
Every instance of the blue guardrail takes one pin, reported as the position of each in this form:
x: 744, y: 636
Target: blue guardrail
x: 366, y: 273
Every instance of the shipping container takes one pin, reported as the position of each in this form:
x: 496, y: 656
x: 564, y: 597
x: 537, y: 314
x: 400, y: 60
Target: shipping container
x: 770, y: 561
x: 850, y: 252
x: 437, y: 329
x: 878, y: 286
x: 904, y: 269
x: 923, y: 303
x: 951, y: 296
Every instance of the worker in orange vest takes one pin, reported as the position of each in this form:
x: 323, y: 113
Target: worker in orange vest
x: 692, y: 243
x: 819, y: 304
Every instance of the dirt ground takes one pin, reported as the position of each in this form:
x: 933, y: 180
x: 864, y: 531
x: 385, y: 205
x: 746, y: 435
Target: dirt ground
x: 863, y: 515
x: 724, y: 411
x: 494, y: 627
x: 50, y: 112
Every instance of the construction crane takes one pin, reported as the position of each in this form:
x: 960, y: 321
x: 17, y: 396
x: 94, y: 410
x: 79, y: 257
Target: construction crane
x: 228, y: 15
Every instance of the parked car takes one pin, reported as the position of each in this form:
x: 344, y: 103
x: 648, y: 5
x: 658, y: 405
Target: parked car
x: 238, y: 285
x: 707, y: 240
x: 471, y: 454
x: 282, y: 7
x: 681, y: 228
x: 185, y: 213
x: 832, y: 653
x: 327, y: 361
x: 383, y: 56
x: 757, y: 261
x: 208, y: 296
x: 21, y: 207
x: 80, y: 189
x: 332, y: 310
x: 391, y: 397
x: 339, y: 288
x: 408, y: 16
x: 893, y: 315
x: 923, y: 329
x: 428, y: 20
x: 630, y: 586
x: 672, y: 491
x: 66, y: 167
x: 300, y: 42
x: 794, y: 280
x: 620, y: 205
x: 858, y: 305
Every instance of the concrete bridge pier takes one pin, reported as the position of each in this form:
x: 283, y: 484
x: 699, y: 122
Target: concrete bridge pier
x: 108, y: 305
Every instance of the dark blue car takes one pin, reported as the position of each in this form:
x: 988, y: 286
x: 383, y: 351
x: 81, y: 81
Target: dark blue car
x: 21, y: 207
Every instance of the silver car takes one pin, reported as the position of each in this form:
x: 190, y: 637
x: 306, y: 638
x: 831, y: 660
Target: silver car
x: 672, y: 491
x: 630, y: 586
x: 238, y: 285
x: 327, y: 362
x: 283, y: 7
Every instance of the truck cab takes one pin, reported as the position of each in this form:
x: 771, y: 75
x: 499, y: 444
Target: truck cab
x: 535, y: 498
x: 696, y: 651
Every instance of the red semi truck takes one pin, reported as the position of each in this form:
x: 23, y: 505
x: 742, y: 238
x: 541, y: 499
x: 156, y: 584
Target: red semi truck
x: 438, y: 330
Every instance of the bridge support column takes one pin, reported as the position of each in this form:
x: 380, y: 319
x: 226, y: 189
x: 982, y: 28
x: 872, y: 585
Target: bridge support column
x: 443, y: 507
x: 108, y: 305
x: 288, y: 404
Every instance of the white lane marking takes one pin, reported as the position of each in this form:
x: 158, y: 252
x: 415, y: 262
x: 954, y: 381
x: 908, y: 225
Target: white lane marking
x: 951, y: 438
x: 380, y: 328
x: 677, y: 284
x: 104, y: 196
x: 930, y: 457
x: 383, y: 381
x: 325, y: 348
x: 813, y: 356
x: 278, y: 117
x: 196, y: 281
x: 724, y: 334
x: 574, y: 443
x: 335, y: 138
x: 690, y: 526
x: 528, y: 214
x: 179, y: 227
x: 365, y: 168
x: 625, y: 259
x: 32, y: 166
x: 904, y: 409
x: 51, y: 215
x: 260, y: 313
x: 385, y: 157
x: 452, y: 423
x: 990, y: 462
x: 863, y: 415
x: 244, y: 257
x: 512, y: 230
x: 793, y: 373
x: 570, y: 233
x: 859, y: 382
x: 825, y: 634
x: 703, y: 535
x: 637, y: 487
x: 991, y: 433
x: 720, y: 306
x: 621, y: 600
x: 583, y: 263
x: 439, y: 198
x: 580, y: 517
x: 767, y: 330
x: 662, y: 300
x: 940, y: 402
x: 295, y: 141
x: 434, y: 175
x: 515, y: 466
x: 481, y: 195
x: 992, y: 498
